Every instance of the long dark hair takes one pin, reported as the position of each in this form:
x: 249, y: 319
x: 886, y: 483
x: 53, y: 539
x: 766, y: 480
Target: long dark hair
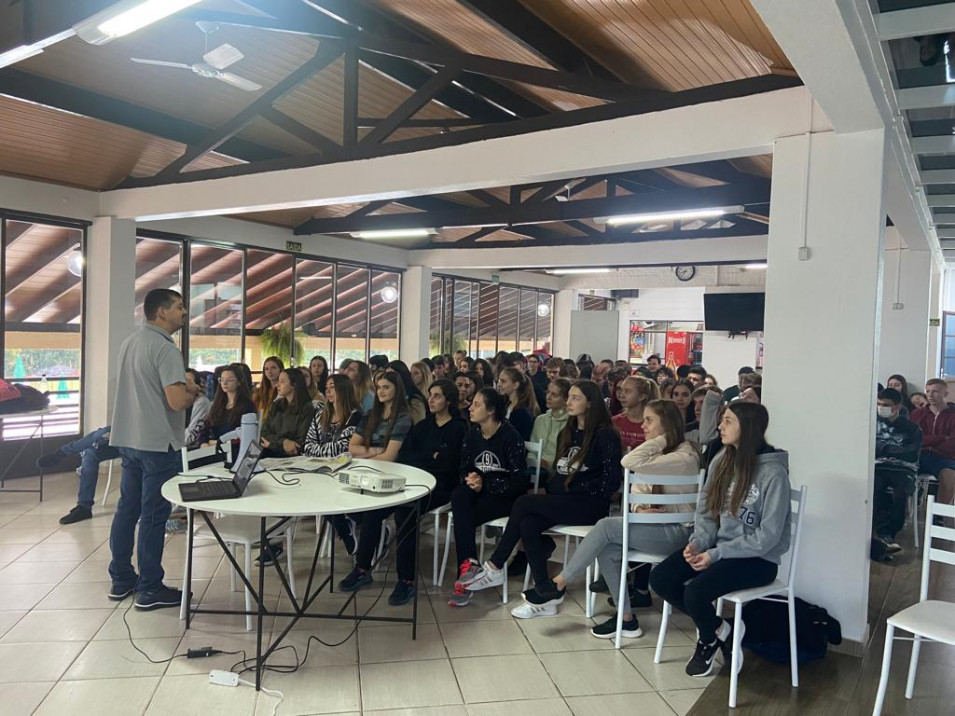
x: 219, y: 413
x: 450, y: 392
x: 487, y: 372
x: 363, y: 381
x: 597, y: 418
x: 738, y: 464
x: 906, y: 401
x: 344, y: 396
x: 525, y: 392
x: 411, y: 390
x: 267, y: 392
x: 323, y: 376
x: 399, y: 406
x: 671, y: 420
x: 300, y: 396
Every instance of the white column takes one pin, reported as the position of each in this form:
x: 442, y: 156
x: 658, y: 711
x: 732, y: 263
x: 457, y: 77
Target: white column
x: 564, y: 304
x: 822, y: 315
x: 903, y: 348
x: 110, y: 300
x: 933, y: 351
x: 415, y: 313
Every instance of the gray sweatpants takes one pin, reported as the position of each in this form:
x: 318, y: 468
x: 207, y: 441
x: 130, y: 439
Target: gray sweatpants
x: 604, y: 545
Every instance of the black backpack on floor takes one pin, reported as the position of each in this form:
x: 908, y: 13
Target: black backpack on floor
x: 767, y: 630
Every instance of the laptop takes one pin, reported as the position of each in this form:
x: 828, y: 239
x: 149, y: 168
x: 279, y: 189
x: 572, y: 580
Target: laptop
x: 224, y: 489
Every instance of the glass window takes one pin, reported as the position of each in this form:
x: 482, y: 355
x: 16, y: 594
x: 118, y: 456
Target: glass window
x: 462, y: 323
x: 158, y: 265
x: 314, y: 291
x: 545, y: 322
x: 527, y: 322
x: 351, y: 314
x: 268, y: 308
x: 487, y: 320
x: 507, y: 318
x: 215, y: 306
x: 43, y: 304
x: 435, y: 338
x: 383, y: 324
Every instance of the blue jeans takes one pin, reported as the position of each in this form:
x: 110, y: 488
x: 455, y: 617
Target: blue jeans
x: 93, y: 449
x: 140, y: 500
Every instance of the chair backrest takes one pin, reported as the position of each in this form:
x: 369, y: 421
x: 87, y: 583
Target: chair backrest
x: 787, y: 564
x: 929, y: 552
x: 656, y: 500
x: 534, y: 452
x: 201, y: 456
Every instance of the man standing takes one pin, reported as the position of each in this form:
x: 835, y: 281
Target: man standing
x: 148, y: 428
x: 733, y: 392
x: 937, y: 421
x: 897, y: 444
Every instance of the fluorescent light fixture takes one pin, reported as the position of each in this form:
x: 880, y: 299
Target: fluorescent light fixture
x: 756, y: 266
x: 127, y: 17
x: 314, y: 278
x: 393, y: 234
x: 569, y: 271
x: 18, y: 54
x: 673, y: 215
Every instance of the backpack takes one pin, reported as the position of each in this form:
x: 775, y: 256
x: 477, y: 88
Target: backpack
x: 767, y: 630
x: 29, y: 399
x: 8, y: 392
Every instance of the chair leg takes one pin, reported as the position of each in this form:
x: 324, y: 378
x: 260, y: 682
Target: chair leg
x: 886, y: 663
x: 232, y: 578
x: 566, y: 548
x: 248, y: 594
x: 326, y: 546
x: 504, y: 590
x: 447, y: 548
x: 737, y: 648
x: 793, y: 646
x: 915, y: 517
x: 434, y: 552
x: 913, y: 667
x: 719, y: 606
x: 592, y: 596
x: 588, y: 611
x: 183, y: 605
x: 481, y: 548
x: 622, y: 598
x: 661, y: 637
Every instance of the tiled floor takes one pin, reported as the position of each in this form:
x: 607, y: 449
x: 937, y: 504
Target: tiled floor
x: 64, y: 647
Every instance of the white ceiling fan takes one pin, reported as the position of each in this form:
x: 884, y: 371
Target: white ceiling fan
x: 213, y: 62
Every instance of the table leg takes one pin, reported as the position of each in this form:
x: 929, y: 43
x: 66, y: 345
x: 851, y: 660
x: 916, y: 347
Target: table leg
x: 41, y: 455
x: 417, y: 546
x: 187, y: 587
x: 261, y: 604
x: 331, y: 568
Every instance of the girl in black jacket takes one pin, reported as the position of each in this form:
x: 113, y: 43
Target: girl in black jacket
x: 587, y: 473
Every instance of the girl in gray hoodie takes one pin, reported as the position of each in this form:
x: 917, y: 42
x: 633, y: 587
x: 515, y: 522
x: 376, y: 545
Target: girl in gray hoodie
x: 741, y: 530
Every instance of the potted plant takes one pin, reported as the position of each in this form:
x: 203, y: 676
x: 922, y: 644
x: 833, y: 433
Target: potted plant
x: 277, y: 340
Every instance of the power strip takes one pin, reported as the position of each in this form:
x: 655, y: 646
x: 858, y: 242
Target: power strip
x: 223, y: 678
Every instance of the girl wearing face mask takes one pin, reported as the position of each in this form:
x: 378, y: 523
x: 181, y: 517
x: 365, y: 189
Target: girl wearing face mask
x: 664, y: 452
x: 741, y: 531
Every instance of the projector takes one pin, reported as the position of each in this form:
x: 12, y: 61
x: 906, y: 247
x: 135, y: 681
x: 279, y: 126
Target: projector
x: 372, y: 483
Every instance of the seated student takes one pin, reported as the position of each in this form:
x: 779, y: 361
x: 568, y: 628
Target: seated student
x: 286, y: 425
x: 696, y: 375
x: 417, y: 403
x: 897, y: 444
x: 465, y: 364
x: 665, y: 374
x: 665, y: 452
x: 335, y: 420
x: 267, y: 391
x: 378, y: 437
x: 653, y: 367
x: 585, y: 477
x: 313, y: 392
x: 741, y: 531
x: 440, y: 369
x: 538, y: 376
x: 734, y: 391
x: 378, y: 364
x: 433, y: 445
x: 710, y: 381
x: 484, y: 371
x: 556, y: 368
x: 468, y: 384
x: 666, y: 388
x: 682, y: 371
x: 521, y: 403
x: 422, y: 376
x: 548, y: 426
x: 615, y: 384
x: 200, y: 409
x: 231, y: 402
x: 363, y: 384
x: 683, y: 397
x: 918, y: 400
x: 493, y: 475
x: 937, y: 421
x: 635, y: 393
x: 93, y: 449
x: 752, y: 394
x: 318, y: 367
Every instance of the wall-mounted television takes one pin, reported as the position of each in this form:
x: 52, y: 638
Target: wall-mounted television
x: 734, y: 312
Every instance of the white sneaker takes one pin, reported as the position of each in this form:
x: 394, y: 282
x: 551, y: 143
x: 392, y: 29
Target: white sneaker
x: 529, y: 611
x: 485, y: 579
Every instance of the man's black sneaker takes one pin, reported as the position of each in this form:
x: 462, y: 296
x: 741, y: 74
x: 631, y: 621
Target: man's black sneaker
x: 270, y: 553
x: 117, y: 592
x: 638, y: 600
x: 348, y: 537
x: 599, y: 586
x: 703, y: 659
x: 544, y: 595
x: 891, y: 546
x: 402, y: 593
x: 50, y: 460
x: 77, y: 514
x: 608, y: 629
x: 163, y: 598
x: 355, y: 580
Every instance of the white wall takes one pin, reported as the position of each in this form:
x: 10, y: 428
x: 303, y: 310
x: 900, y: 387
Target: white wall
x: 724, y: 356
x: 593, y: 332
x: 904, y: 338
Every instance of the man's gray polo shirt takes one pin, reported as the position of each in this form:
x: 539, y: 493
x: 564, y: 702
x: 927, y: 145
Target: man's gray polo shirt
x: 142, y: 419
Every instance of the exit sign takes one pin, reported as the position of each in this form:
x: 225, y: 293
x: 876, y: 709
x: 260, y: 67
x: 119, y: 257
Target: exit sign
x: 293, y: 245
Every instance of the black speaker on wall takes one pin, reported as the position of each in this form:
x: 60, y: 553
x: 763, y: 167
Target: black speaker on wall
x: 625, y: 293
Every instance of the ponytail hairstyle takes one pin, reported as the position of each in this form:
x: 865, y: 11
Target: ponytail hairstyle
x: 671, y: 420
x: 737, y: 467
x: 524, y: 395
x: 344, y: 397
x: 647, y: 389
x: 399, y: 407
x: 563, y: 385
x: 597, y: 418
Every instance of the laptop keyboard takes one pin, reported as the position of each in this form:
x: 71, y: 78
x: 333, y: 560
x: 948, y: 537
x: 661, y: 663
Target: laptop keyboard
x: 217, y: 488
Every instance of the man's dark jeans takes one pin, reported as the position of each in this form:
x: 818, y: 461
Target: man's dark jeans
x: 94, y: 449
x: 144, y: 474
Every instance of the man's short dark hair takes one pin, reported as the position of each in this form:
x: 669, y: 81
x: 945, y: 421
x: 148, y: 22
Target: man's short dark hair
x: 745, y: 370
x: 159, y: 298
x: 698, y: 370
x: 654, y: 357
x: 892, y: 395
x: 683, y: 371
x: 379, y: 362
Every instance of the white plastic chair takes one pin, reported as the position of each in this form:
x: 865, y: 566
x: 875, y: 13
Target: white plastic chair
x: 922, y: 483
x: 630, y: 498
x: 780, y: 589
x: 928, y: 619
x: 534, y: 451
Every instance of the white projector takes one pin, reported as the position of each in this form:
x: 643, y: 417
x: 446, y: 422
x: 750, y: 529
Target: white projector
x: 372, y: 483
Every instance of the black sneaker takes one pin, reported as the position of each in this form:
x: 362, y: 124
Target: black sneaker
x: 891, y: 546
x: 77, y: 514
x: 402, y: 593
x: 117, y: 592
x: 163, y: 598
x: 638, y: 600
x: 703, y: 659
x: 270, y: 554
x: 355, y: 580
x: 348, y: 537
x: 544, y: 595
x: 50, y: 460
x: 599, y: 586
x: 608, y: 629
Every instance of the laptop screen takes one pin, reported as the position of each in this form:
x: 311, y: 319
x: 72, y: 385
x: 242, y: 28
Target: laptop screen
x: 243, y: 472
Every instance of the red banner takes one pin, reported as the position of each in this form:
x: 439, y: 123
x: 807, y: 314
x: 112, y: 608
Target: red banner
x: 678, y: 345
